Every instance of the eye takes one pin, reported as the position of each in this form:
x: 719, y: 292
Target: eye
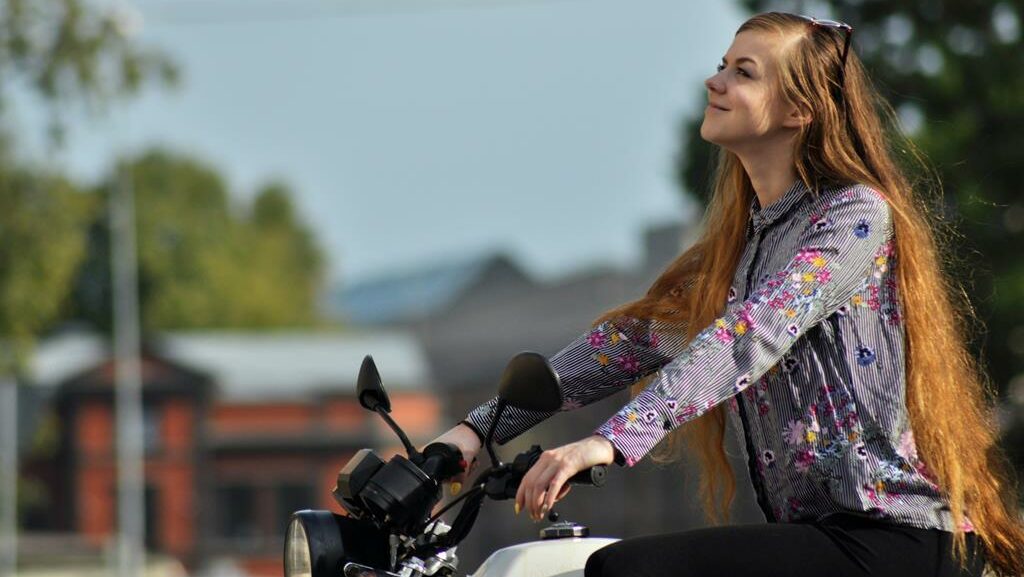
x: 721, y: 67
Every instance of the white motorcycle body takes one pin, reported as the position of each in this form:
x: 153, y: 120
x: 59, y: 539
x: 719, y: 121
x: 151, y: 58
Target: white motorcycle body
x: 547, y: 558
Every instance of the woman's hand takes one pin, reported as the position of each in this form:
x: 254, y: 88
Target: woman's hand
x: 544, y: 483
x: 466, y: 440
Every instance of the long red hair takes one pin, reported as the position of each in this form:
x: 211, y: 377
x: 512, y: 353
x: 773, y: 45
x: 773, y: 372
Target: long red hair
x: 854, y: 137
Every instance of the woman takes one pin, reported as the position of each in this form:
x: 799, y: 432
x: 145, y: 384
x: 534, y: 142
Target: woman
x: 814, y: 313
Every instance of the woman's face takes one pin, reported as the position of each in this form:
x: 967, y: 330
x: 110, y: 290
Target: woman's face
x: 744, y: 107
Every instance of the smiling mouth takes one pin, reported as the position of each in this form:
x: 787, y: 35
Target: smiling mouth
x: 717, y: 107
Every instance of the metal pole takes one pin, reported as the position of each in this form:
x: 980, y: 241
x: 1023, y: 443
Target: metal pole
x: 131, y: 512
x: 8, y: 473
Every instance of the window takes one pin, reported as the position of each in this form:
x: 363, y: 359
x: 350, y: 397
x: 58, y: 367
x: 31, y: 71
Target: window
x: 152, y: 421
x: 152, y: 500
x: 236, y: 506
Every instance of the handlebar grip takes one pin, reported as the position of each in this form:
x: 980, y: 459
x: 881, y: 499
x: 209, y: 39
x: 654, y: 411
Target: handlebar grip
x: 441, y: 461
x: 595, y: 476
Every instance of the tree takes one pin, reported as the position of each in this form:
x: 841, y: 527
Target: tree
x: 43, y: 220
x: 286, y: 270
x: 67, y: 52
x: 202, y: 262
x: 950, y: 71
x: 62, y: 52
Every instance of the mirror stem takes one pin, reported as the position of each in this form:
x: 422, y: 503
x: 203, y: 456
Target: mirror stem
x: 414, y: 455
x: 489, y: 438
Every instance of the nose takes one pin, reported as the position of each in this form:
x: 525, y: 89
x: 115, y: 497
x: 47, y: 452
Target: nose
x: 713, y: 84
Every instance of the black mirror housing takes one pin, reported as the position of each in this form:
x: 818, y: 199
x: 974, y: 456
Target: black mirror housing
x: 369, y: 388
x: 529, y: 382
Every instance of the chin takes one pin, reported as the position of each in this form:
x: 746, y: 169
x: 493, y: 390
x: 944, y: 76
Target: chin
x: 708, y: 136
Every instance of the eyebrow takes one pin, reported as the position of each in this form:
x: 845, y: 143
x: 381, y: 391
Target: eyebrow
x: 741, y: 59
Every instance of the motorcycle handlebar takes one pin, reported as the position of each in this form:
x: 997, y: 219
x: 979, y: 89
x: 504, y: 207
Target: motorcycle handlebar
x: 442, y: 461
x: 503, y: 482
x: 500, y: 483
x: 591, y: 476
x: 594, y: 476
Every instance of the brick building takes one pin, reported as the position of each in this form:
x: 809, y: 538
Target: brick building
x: 239, y: 431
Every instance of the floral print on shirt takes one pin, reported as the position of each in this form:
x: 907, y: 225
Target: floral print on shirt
x: 812, y: 350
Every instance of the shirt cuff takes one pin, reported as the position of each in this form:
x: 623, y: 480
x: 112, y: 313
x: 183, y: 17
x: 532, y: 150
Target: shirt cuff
x: 638, y: 427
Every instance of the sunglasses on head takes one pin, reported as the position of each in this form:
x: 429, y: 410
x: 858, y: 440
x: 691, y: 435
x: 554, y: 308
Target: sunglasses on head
x: 843, y: 27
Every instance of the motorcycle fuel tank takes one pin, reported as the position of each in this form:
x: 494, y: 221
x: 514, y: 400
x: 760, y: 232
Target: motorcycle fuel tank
x: 548, y: 558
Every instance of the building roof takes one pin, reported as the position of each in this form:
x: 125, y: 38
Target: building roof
x: 65, y: 354
x: 472, y: 342
x: 417, y: 294
x: 267, y: 366
x: 250, y: 367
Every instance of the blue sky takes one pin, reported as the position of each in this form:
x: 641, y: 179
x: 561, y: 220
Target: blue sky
x: 418, y: 131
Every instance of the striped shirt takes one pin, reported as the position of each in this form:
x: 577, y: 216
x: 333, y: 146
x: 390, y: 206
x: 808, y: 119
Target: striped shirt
x: 808, y: 358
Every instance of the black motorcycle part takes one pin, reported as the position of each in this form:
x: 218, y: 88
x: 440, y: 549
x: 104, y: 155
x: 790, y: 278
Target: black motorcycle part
x: 400, y: 495
x: 463, y: 521
x: 442, y: 461
x: 334, y: 540
x: 506, y: 485
x: 353, y: 477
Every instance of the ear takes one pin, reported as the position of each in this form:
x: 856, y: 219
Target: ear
x: 797, y: 116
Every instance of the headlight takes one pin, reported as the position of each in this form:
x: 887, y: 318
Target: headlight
x: 297, y: 562
x: 312, y: 545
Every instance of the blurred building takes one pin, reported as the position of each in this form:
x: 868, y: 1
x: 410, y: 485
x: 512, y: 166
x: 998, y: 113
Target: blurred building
x: 419, y: 295
x: 241, y: 430
x: 471, y: 333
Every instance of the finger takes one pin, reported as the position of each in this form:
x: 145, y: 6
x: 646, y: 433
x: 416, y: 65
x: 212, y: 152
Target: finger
x: 530, y: 492
x: 528, y: 487
x: 523, y: 491
x: 524, y: 488
x: 554, y: 487
x: 542, y: 496
x: 520, y: 495
x: 531, y: 482
x: 563, y: 492
x: 541, y: 489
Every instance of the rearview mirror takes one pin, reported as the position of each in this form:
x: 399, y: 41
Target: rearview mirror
x: 530, y: 383
x: 369, y: 388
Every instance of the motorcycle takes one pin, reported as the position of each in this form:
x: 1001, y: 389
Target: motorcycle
x: 389, y: 530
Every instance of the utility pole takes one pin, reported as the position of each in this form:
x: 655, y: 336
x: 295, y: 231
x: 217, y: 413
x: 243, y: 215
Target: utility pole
x: 8, y: 465
x: 131, y: 513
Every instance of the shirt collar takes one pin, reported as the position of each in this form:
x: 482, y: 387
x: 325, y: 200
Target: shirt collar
x: 762, y: 217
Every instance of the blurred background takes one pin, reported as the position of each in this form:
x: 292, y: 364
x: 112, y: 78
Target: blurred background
x: 438, y: 183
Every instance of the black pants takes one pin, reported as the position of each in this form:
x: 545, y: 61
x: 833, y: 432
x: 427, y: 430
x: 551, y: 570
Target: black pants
x: 838, y: 546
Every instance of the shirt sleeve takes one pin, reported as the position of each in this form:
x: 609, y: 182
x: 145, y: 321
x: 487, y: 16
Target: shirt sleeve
x: 598, y: 363
x: 839, y: 248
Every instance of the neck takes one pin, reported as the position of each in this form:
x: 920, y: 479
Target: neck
x: 771, y: 170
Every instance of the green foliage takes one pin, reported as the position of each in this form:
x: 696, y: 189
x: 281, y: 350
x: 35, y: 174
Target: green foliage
x: 73, y: 51
x: 951, y: 70
x: 202, y: 262
x: 61, y: 52
x: 43, y: 221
